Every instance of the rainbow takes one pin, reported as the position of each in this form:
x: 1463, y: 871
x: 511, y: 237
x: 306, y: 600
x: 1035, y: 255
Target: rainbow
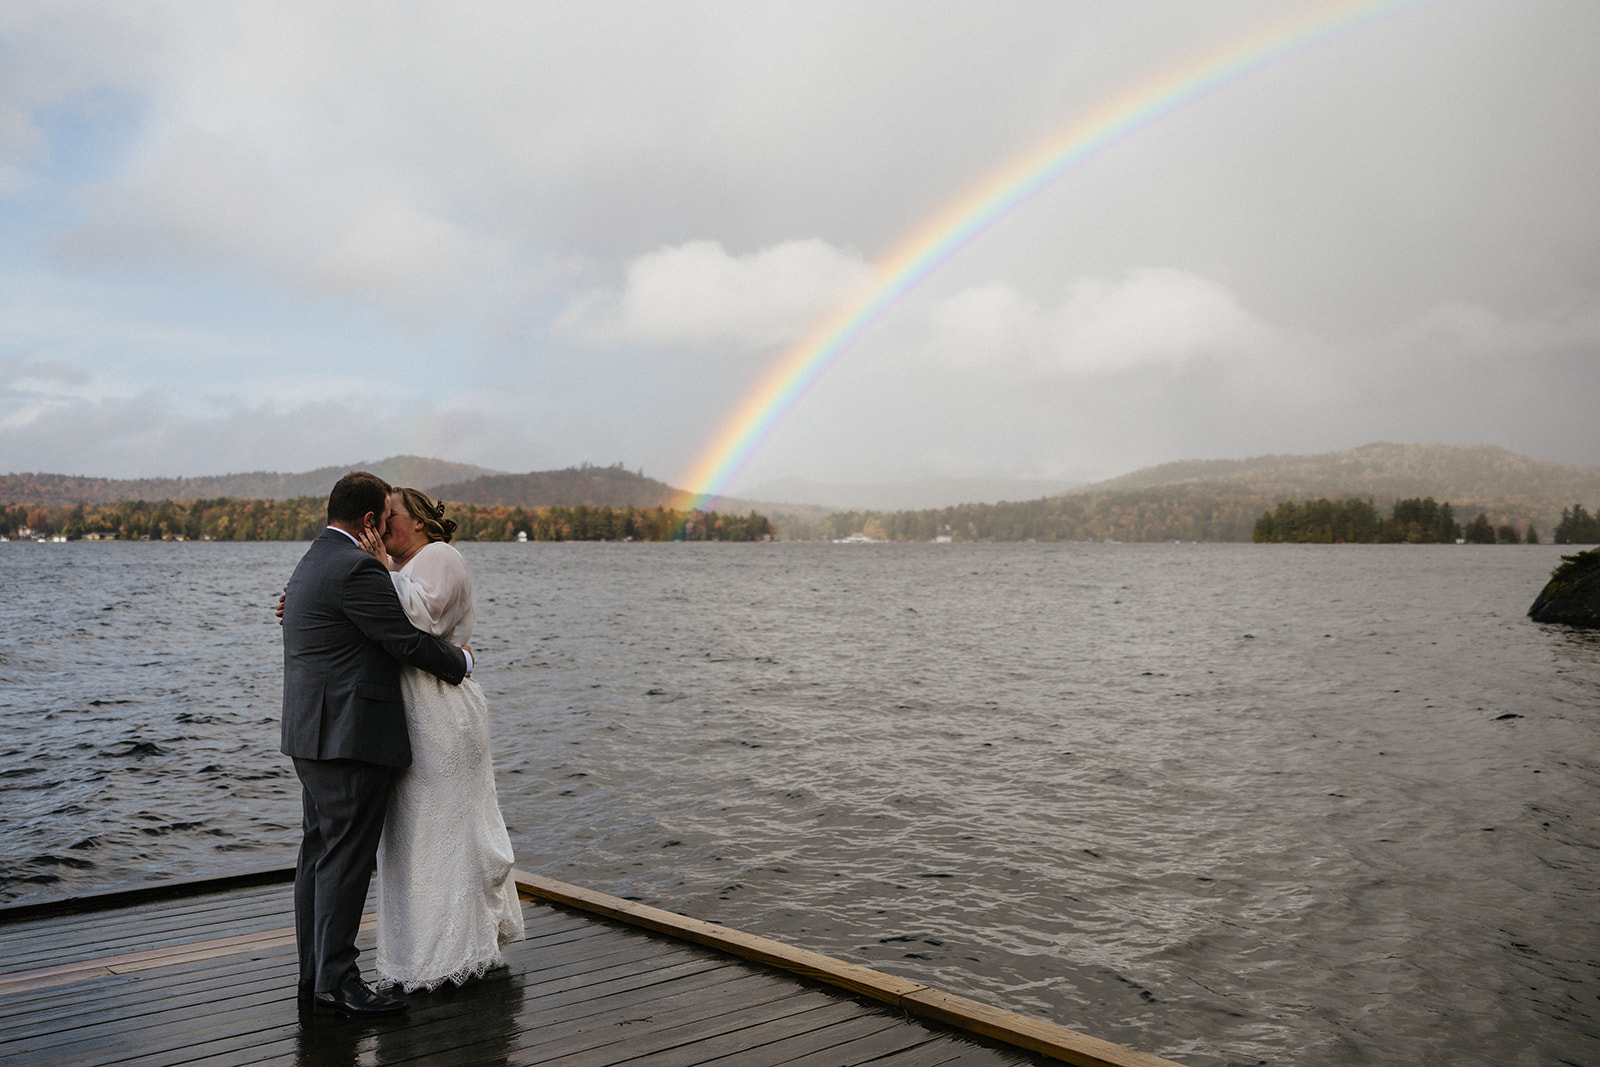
x: 932, y: 244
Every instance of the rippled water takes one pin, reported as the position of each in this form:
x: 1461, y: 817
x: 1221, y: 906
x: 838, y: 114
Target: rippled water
x: 1227, y: 803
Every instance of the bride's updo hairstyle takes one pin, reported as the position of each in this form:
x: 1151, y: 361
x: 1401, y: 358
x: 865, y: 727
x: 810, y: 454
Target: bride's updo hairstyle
x: 434, y: 525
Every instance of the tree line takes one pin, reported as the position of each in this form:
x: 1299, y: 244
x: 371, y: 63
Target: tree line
x: 1177, y: 513
x: 1577, y: 527
x: 1417, y: 521
x: 303, y: 518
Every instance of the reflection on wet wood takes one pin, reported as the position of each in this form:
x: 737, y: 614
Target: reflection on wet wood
x: 209, y: 977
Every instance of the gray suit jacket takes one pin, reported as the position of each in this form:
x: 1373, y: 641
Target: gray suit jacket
x: 344, y: 638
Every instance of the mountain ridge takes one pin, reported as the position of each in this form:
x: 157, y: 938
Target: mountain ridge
x: 56, y: 489
x: 612, y: 486
x: 1470, y: 477
x: 912, y: 495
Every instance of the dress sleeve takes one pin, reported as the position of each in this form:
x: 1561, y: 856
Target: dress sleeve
x: 435, y: 590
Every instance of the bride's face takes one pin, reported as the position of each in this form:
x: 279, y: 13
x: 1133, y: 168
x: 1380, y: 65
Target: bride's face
x: 404, y: 535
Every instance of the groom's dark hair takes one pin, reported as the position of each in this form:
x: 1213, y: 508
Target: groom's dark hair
x: 356, y: 494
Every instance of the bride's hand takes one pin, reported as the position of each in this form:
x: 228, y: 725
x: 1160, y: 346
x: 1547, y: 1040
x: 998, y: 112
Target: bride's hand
x: 373, y: 544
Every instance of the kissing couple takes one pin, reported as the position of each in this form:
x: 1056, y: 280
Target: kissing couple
x: 390, y: 739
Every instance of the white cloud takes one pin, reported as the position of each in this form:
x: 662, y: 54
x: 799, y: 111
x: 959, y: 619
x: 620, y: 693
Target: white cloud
x: 700, y: 294
x: 1150, y: 317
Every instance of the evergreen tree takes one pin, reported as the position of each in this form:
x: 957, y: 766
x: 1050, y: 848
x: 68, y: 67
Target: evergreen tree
x: 1479, y: 531
x: 1447, y: 528
x: 1265, y: 530
x: 1577, y: 527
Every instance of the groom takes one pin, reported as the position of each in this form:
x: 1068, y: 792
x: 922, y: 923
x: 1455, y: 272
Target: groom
x: 344, y: 639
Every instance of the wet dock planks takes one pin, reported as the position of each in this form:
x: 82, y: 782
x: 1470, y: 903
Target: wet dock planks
x: 210, y: 979
x: 207, y: 977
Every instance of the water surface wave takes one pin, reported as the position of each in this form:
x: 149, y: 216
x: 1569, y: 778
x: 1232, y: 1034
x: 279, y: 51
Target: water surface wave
x: 1227, y: 803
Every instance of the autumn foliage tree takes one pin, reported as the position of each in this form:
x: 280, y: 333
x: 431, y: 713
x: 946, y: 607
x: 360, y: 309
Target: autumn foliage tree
x: 303, y: 518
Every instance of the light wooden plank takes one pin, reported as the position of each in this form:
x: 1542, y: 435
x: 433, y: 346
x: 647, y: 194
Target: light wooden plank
x: 127, y: 999
x: 101, y: 934
x: 1058, y: 1042
x: 163, y: 957
x: 860, y: 980
x: 1050, y: 1039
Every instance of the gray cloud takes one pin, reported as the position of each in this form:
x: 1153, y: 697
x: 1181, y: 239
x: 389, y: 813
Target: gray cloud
x: 47, y: 372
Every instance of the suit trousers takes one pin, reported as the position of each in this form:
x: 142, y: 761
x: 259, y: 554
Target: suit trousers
x: 344, y: 803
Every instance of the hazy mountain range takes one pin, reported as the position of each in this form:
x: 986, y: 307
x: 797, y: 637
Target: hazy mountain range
x: 1381, y: 471
x: 595, y: 486
x: 902, y: 496
x: 1508, y: 487
x: 1472, y: 477
x: 254, y: 485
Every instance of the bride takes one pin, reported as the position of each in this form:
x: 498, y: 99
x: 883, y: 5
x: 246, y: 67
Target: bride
x: 446, y: 900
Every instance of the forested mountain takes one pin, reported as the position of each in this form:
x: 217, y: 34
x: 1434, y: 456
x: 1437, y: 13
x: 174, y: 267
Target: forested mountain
x: 57, y: 489
x: 460, y: 483
x: 1221, y: 500
x: 595, y: 486
x: 1480, y: 474
x: 1511, y: 489
x: 1211, y: 500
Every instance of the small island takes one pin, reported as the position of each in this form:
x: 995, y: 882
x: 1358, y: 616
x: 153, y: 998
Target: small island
x: 1572, y: 596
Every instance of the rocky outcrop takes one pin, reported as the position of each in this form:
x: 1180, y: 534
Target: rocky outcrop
x: 1572, y: 595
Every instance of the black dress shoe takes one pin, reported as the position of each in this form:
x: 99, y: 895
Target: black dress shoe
x: 356, y: 997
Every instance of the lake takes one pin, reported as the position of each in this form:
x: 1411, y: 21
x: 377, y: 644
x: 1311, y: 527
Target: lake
x: 1225, y: 803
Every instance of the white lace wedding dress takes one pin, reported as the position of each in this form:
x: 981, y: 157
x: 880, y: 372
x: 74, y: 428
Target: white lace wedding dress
x: 446, y: 901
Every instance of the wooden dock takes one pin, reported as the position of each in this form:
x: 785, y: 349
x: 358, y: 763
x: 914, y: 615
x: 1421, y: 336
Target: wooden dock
x: 203, y: 973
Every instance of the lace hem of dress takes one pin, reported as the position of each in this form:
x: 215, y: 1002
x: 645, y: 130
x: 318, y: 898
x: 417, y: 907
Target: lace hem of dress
x: 458, y: 977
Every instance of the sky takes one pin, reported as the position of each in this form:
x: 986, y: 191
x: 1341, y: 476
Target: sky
x: 282, y: 236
